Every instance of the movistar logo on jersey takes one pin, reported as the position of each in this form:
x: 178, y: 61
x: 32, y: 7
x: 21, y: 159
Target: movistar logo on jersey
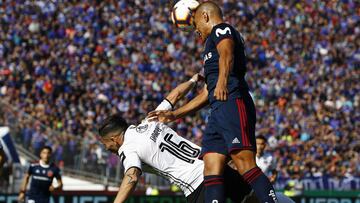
x: 207, y: 56
x: 224, y: 31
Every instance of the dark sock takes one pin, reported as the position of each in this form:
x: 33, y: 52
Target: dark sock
x: 261, y: 185
x: 214, y: 189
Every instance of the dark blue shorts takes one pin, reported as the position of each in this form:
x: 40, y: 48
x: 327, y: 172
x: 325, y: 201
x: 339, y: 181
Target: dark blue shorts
x: 37, y: 199
x: 231, y: 126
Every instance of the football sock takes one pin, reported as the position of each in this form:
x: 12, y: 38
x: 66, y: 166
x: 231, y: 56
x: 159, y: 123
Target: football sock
x: 261, y: 185
x: 214, y: 189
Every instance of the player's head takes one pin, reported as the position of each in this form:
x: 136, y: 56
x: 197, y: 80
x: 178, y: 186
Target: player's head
x: 207, y: 15
x: 45, y: 154
x: 260, y: 144
x: 112, y: 131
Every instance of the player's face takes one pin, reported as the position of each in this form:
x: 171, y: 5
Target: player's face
x: 45, y: 155
x: 199, y: 22
x: 260, y: 145
x: 110, y: 142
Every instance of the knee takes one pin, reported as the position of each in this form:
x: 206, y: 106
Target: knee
x: 211, y: 170
x: 213, y: 165
x: 244, y: 161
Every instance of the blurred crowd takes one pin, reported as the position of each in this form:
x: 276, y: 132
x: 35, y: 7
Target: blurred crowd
x: 69, y: 64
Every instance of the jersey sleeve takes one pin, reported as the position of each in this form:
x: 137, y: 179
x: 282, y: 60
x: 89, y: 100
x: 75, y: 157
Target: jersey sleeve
x: 220, y: 32
x: 129, y: 158
x: 58, y: 174
x: 30, y: 169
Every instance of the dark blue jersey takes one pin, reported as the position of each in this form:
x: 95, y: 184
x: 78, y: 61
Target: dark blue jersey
x: 236, y: 80
x: 41, y: 178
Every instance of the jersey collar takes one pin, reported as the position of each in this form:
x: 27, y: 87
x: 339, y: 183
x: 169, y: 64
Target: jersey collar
x: 42, y: 164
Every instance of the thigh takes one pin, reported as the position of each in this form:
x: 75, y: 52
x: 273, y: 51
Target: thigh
x: 212, y: 141
x: 236, y: 122
x: 214, y: 164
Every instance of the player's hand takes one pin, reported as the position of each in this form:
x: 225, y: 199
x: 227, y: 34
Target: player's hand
x: 51, y: 188
x: 221, y: 91
x: 161, y: 116
x: 21, y: 197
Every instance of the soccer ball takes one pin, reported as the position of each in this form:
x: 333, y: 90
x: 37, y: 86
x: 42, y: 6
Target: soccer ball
x: 182, y: 12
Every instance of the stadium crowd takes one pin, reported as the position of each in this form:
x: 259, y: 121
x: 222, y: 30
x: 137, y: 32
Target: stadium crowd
x: 68, y: 64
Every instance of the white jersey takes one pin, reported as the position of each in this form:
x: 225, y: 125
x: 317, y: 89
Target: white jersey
x: 158, y: 146
x: 266, y: 163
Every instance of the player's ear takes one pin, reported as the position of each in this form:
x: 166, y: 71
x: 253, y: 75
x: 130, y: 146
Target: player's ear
x: 205, y: 16
x: 117, y: 139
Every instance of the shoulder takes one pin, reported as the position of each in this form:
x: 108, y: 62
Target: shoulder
x: 138, y: 129
x: 268, y: 156
x: 54, y: 166
x: 222, y: 29
x: 34, y: 164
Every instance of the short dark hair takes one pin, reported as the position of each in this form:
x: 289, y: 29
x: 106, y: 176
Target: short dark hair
x: 46, y: 147
x: 111, y: 124
x: 262, y: 137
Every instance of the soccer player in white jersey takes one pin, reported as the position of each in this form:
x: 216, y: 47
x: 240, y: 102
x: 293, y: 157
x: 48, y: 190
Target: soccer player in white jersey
x: 267, y: 164
x: 265, y: 161
x: 158, y: 146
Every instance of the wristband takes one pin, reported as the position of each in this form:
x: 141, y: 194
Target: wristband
x: 193, y: 81
x: 165, y: 105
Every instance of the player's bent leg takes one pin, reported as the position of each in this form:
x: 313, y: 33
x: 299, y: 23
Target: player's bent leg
x: 213, y: 177
x: 245, y: 162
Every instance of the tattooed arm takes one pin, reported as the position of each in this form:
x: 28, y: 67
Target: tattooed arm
x: 128, y: 184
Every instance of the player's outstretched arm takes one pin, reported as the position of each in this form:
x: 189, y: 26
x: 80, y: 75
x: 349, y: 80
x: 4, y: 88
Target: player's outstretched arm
x: 195, y: 104
x: 226, y: 61
x: 181, y: 90
x: 128, y: 184
x: 23, y: 186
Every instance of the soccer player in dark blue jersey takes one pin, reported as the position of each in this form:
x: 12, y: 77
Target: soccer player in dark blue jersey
x: 231, y: 127
x: 42, y: 174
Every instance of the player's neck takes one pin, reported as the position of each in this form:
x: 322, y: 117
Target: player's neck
x: 216, y: 22
x: 43, y: 163
x: 259, y: 154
